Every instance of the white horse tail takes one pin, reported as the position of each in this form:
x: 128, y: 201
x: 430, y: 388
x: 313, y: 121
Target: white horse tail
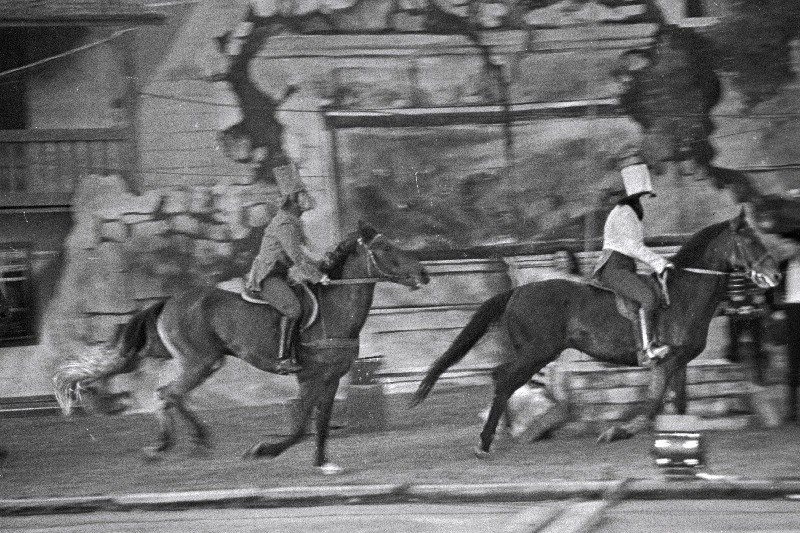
x: 72, y: 375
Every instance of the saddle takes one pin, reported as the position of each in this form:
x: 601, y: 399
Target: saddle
x: 630, y: 308
x: 308, y: 300
x: 308, y: 303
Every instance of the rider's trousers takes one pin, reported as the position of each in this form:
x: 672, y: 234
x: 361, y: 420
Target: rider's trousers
x: 619, y: 273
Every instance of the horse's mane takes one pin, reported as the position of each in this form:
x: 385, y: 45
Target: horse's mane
x: 334, y: 259
x: 694, y: 248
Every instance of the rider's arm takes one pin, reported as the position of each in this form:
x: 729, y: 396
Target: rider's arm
x: 292, y: 240
x: 624, y: 233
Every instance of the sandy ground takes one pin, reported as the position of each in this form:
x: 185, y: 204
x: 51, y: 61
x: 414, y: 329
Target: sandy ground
x: 94, y: 455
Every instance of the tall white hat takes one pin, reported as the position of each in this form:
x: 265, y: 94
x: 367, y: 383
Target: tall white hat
x: 636, y: 177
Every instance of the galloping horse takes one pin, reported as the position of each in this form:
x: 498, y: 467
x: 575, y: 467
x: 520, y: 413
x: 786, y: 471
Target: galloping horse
x: 542, y: 319
x: 200, y: 326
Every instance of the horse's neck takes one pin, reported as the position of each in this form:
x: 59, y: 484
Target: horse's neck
x: 695, y: 296
x: 346, y: 307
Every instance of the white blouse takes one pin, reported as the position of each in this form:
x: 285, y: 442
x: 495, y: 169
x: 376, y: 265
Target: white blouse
x: 624, y: 233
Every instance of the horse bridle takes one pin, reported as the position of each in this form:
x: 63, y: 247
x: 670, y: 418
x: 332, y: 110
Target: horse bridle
x: 751, y: 272
x: 373, y: 264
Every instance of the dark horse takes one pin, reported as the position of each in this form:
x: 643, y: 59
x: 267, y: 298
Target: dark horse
x: 200, y: 326
x: 543, y: 319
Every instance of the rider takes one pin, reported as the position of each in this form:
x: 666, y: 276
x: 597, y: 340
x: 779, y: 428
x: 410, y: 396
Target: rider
x: 283, y: 259
x: 623, y: 243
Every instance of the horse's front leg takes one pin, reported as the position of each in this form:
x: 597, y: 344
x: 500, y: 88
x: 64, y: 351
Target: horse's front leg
x: 659, y: 377
x: 309, y: 396
x: 324, y: 411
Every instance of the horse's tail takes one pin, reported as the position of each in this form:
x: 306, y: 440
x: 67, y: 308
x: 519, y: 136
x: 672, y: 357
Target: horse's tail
x: 489, y: 311
x: 119, y: 356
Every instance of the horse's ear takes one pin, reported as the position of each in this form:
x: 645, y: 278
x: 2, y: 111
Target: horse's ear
x: 366, y: 231
x: 739, y: 222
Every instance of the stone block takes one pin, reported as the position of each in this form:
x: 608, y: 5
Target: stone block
x: 145, y: 286
x: 217, y: 232
x: 259, y: 215
x: 404, y: 22
x: 113, y: 231
x: 149, y: 229
x: 201, y: 200
x: 185, y: 224
x: 144, y: 244
x: 207, y: 251
x: 113, y: 209
x: 176, y: 201
x: 181, y: 244
x: 239, y: 231
x: 110, y: 256
x: 135, y: 218
x: 145, y: 204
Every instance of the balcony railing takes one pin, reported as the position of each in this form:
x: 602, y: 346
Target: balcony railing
x: 43, y: 167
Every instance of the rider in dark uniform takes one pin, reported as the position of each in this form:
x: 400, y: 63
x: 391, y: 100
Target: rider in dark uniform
x: 623, y: 244
x: 283, y: 258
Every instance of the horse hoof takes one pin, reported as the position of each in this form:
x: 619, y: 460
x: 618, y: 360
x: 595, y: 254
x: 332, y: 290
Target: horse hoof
x: 261, y: 450
x: 330, y: 469
x: 612, y: 434
x: 152, y: 453
x: 480, y: 453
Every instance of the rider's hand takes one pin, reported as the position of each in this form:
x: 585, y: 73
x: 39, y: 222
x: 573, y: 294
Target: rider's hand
x: 324, y: 280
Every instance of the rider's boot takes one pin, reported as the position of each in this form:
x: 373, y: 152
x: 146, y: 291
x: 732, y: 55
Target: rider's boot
x: 651, y: 352
x: 286, y: 362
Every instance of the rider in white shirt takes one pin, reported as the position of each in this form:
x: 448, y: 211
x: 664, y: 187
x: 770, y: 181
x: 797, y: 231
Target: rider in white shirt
x: 623, y: 244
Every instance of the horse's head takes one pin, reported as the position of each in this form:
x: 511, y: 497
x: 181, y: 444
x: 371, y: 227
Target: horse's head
x: 389, y: 262
x: 749, y: 254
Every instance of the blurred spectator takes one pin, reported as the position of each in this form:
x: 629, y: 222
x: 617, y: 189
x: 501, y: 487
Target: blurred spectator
x: 747, y: 308
x: 791, y: 304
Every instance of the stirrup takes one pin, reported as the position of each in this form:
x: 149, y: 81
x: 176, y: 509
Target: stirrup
x: 287, y: 366
x: 652, y: 354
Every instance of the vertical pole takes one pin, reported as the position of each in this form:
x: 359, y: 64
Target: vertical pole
x: 126, y: 48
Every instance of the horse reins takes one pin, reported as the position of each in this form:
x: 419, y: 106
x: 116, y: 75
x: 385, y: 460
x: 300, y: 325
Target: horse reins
x: 373, y: 262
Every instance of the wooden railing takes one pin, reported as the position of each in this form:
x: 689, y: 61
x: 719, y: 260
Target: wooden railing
x: 43, y: 167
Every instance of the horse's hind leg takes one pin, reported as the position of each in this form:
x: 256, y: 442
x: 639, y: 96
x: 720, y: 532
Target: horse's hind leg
x: 508, y: 378
x: 172, y: 397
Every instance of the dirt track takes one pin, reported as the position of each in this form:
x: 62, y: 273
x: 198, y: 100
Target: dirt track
x: 86, y: 455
